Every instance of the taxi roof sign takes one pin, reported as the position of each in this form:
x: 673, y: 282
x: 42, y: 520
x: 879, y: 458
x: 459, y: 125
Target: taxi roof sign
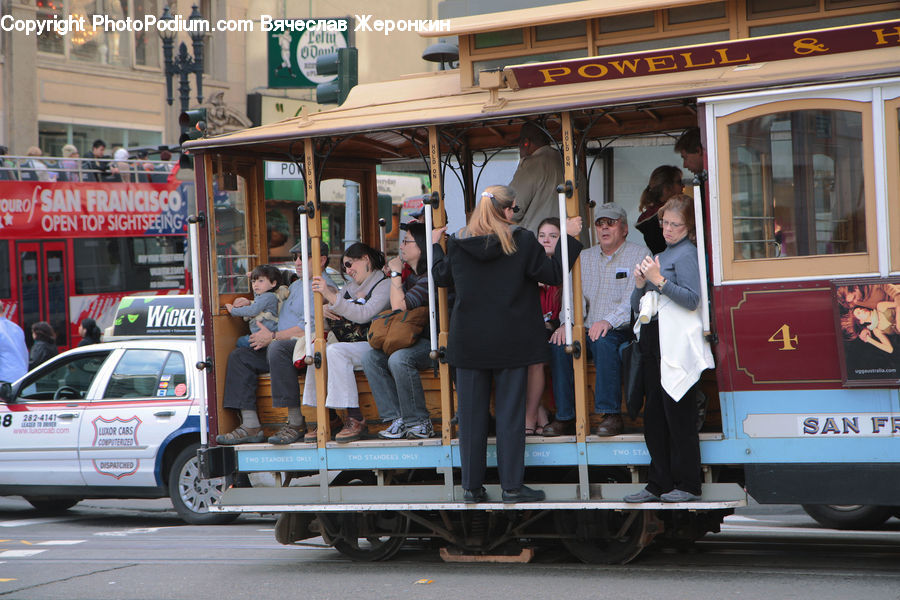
x: 154, y: 316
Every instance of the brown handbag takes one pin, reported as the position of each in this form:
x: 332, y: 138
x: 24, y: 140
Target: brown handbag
x: 392, y: 330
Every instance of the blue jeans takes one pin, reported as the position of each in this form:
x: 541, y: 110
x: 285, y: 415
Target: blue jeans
x: 396, y: 384
x: 608, y: 384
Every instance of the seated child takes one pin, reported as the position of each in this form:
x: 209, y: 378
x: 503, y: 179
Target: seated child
x: 268, y: 296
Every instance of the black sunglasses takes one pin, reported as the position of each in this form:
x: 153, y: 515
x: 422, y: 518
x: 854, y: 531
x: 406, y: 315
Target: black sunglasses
x: 347, y: 264
x: 515, y: 208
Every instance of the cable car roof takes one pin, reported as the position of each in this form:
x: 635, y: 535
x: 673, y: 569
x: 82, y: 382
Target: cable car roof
x: 380, y: 116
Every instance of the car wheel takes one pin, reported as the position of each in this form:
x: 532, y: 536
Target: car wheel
x: 191, y: 495
x: 47, y: 504
x: 848, y: 516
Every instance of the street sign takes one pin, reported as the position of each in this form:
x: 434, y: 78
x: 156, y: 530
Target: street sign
x: 292, y: 54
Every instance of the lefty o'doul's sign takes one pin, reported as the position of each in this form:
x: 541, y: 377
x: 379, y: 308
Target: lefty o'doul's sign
x: 707, y: 56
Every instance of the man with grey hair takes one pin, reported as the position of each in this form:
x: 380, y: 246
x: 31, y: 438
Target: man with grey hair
x: 607, y: 278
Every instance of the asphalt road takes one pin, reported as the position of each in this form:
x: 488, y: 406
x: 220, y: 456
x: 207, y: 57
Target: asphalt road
x: 138, y: 549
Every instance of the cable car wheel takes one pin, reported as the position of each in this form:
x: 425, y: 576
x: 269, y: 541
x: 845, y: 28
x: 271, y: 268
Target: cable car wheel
x: 605, y: 537
x: 365, y: 536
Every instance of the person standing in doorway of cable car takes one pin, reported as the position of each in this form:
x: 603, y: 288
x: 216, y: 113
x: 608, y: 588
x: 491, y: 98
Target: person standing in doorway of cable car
x: 673, y: 354
x: 496, y: 332
x: 540, y: 170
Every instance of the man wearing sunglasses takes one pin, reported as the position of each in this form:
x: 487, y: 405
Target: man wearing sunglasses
x: 606, y: 282
x: 269, y: 352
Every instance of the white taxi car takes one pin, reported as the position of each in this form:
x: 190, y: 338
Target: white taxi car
x: 120, y: 419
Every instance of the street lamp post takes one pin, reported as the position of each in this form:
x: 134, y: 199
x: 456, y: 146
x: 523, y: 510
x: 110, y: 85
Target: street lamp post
x: 184, y: 64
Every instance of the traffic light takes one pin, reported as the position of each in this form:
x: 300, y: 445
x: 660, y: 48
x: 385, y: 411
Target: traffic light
x: 342, y: 63
x: 193, y: 124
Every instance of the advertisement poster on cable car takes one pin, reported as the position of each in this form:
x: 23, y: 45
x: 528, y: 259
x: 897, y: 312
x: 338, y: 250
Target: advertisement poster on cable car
x: 86, y: 209
x: 866, y: 312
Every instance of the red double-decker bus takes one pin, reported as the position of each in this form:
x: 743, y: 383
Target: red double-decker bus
x: 70, y: 250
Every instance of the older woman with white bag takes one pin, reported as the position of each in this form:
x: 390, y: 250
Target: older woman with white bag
x: 673, y: 354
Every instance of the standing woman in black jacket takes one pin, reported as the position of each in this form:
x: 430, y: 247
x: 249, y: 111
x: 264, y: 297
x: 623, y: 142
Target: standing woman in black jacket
x: 496, y: 332
x: 44, y: 346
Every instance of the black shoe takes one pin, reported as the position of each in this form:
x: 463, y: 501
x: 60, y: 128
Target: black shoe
x: 523, y: 494
x: 475, y: 496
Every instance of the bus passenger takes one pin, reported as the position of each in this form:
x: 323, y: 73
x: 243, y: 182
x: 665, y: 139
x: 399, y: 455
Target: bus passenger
x: 350, y: 312
x: 665, y: 182
x: 269, y: 351
x: 670, y: 422
x: 551, y: 303
x: 496, y: 331
x: 540, y: 170
x: 607, y: 281
x: 44, y: 346
x: 394, y: 379
x: 268, y: 295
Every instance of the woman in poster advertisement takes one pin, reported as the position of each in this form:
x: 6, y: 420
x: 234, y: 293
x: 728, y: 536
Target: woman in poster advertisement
x: 872, y: 325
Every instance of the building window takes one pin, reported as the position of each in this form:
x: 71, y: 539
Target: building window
x: 50, y: 41
x: 147, y: 43
x: 92, y: 45
x: 52, y: 136
x: 797, y: 184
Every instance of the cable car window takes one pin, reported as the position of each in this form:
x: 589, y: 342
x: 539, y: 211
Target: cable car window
x: 232, y: 256
x: 797, y: 184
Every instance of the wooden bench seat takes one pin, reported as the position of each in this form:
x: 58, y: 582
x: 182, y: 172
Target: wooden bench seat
x: 272, y: 418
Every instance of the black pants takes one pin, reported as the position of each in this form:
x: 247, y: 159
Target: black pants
x: 670, y: 427
x: 246, y: 364
x: 474, y: 392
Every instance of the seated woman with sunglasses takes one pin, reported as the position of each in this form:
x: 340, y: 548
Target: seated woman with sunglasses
x: 349, y: 311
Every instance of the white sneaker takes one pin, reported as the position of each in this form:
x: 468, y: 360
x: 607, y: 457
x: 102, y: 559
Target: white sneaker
x: 395, y: 431
x: 420, y: 431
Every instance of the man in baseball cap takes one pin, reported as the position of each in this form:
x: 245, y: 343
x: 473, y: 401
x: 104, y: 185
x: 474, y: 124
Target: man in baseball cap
x: 607, y: 278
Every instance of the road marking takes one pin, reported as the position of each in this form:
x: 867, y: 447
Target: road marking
x: 125, y: 532
x: 19, y: 553
x: 5, y: 579
x: 26, y: 522
x: 60, y: 543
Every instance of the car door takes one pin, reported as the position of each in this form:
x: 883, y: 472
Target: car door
x: 39, y: 427
x: 145, y: 400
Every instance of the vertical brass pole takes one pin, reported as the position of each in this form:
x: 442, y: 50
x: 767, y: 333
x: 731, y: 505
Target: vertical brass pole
x: 582, y: 419
x: 323, y: 432
x: 440, y: 219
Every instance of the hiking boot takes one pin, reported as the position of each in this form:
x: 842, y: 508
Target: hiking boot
x: 310, y: 437
x: 611, y: 425
x: 556, y: 428
x: 421, y: 431
x: 242, y: 435
x: 288, y: 434
x: 352, y: 431
x: 395, y: 431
